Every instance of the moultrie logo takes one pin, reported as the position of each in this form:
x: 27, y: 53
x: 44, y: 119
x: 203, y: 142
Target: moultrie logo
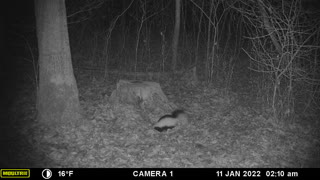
x: 15, y: 173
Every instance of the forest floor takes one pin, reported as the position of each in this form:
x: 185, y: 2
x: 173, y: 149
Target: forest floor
x: 224, y: 130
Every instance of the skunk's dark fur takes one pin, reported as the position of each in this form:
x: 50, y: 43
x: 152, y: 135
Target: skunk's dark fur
x: 170, y: 121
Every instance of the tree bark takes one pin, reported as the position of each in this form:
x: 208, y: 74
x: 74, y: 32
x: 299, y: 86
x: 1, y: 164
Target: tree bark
x: 268, y: 26
x: 57, y: 99
x: 176, y: 35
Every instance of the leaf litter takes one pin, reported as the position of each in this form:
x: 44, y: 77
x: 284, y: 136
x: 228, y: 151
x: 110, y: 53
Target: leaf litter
x: 221, y: 133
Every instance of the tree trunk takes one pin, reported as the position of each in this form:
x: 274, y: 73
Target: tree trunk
x: 269, y: 27
x: 57, y: 99
x: 176, y: 35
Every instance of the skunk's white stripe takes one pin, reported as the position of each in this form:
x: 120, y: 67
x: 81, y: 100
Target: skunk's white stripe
x: 170, y: 121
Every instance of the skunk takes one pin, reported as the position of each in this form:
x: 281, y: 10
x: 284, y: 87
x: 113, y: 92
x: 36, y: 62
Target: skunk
x: 170, y: 121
